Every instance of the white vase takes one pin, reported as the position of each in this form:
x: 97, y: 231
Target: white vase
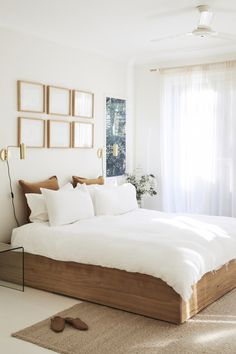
x: 139, y: 203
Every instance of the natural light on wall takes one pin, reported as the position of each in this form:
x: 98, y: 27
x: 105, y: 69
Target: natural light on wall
x: 198, y: 138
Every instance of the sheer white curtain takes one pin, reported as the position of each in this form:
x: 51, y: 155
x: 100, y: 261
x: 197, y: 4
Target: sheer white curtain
x: 198, y: 139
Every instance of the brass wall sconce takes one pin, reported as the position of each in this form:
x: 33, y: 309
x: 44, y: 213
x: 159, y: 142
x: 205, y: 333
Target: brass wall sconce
x: 115, y: 150
x: 100, y: 154
x: 5, y: 154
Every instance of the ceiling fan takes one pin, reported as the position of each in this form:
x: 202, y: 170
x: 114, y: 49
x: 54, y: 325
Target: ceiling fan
x: 203, y: 29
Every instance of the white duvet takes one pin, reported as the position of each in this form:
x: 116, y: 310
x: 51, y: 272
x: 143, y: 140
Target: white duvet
x: 177, y: 248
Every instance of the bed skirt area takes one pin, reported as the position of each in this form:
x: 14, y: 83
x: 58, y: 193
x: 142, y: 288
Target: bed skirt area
x: 133, y: 292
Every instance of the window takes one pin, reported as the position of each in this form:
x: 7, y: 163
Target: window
x: 198, y: 139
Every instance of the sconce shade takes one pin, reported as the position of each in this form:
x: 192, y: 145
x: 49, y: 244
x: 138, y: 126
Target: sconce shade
x: 115, y: 150
x: 100, y: 153
x: 22, y: 151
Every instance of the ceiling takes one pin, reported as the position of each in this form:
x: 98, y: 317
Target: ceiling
x: 123, y: 29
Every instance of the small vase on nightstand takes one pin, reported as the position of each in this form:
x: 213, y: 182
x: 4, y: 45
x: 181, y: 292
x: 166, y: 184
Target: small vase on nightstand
x: 139, y: 203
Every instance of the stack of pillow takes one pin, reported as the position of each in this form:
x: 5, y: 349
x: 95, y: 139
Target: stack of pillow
x: 84, y: 199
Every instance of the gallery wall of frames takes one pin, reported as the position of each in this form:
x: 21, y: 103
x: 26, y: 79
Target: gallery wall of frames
x: 73, y: 126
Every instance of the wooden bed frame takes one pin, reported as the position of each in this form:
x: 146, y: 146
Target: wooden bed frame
x: 133, y: 292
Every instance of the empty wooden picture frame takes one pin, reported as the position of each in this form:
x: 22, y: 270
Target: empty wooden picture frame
x: 31, y: 132
x: 83, y: 104
x: 59, y: 134
x: 58, y: 101
x: 82, y: 135
x: 30, y: 97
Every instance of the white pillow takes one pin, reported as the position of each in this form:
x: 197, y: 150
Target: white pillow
x: 91, y: 188
x: 67, y: 187
x: 114, y: 200
x: 66, y: 207
x: 37, y: 205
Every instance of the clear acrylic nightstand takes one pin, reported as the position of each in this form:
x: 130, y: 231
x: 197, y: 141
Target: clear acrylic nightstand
x: 11, y: 267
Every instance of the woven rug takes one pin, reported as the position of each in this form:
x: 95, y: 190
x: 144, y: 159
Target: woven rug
x: 117, y: 332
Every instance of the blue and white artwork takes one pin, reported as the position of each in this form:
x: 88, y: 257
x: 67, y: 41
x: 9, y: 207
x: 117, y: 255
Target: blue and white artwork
x: 115, y: 134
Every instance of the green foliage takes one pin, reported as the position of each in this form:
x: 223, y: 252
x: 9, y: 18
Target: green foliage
x: 144, y: 185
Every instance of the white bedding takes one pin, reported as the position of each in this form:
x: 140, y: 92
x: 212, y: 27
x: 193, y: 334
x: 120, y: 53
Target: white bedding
x: 177, y: 248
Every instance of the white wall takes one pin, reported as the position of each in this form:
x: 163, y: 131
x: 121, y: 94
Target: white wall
x: 147, y: 142
x: 27, y: 58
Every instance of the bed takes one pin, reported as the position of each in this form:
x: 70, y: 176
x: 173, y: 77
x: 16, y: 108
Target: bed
x: 165, y: 266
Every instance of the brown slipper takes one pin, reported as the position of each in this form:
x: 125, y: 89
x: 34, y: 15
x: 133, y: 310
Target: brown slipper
x: 77, y: 323
x: 57, y: 324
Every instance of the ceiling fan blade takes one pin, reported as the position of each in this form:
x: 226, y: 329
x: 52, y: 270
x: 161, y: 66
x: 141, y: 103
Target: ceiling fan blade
x: 226, y: 36
x: 166, y: 38
x: 224, y: 9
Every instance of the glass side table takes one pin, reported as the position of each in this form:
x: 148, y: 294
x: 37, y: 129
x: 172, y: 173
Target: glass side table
x: 11, y: 267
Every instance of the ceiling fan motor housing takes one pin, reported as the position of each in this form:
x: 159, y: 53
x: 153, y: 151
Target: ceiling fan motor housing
x: 203, y: 31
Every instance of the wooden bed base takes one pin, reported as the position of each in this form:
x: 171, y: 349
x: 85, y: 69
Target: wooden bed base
x: 133, y: 292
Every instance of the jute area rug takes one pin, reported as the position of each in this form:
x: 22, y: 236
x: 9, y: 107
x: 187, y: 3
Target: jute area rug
x: 117, y: 332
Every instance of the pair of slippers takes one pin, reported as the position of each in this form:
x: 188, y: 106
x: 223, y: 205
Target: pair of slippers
x: 58, y: 323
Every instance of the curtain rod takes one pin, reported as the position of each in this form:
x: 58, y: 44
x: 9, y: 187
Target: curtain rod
x: 192, y: 65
